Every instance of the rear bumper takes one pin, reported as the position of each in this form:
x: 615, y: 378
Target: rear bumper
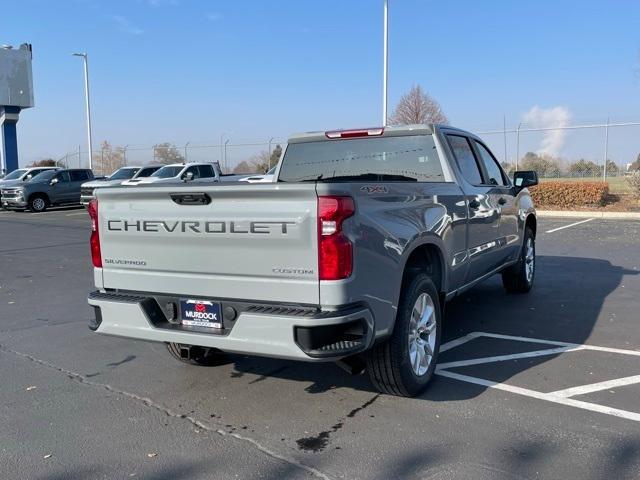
x: 324, y: 336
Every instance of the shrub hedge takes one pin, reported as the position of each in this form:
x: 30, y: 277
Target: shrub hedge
x: 570, y: 194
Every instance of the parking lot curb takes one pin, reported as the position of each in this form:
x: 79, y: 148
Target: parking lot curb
x: 582, y: 214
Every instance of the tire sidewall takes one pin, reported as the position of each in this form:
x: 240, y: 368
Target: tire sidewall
x: 32, y: 202
x: 420, y: 284
x: 523, y: 260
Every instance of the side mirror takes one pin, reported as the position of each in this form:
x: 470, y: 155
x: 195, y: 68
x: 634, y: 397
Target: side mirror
x: 525, y: 178
x: 28, y: 177
x: 187, y: 177
x: 53, y: 181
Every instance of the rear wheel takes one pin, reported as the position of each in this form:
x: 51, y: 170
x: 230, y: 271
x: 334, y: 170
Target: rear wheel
x: 194, y: 355
x: 519, y: 278
x: 38, y: 203
x: 404, y: 364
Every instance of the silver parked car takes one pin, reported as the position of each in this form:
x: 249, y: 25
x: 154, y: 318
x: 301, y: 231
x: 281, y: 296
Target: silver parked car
x: 116, y: 178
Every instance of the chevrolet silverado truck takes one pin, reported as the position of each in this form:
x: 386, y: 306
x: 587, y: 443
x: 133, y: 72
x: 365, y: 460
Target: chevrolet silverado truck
x: 47, y: 189
x: 185, y: 172
x: 349, y: 256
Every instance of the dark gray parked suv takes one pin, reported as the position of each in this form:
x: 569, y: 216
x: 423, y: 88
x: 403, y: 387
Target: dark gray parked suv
x: 49, y: 188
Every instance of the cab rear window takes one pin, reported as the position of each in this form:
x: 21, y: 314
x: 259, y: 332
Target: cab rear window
x: 407, y: 158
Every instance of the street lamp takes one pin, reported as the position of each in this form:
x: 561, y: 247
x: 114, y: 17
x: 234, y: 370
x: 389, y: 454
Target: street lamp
x: 86, y: 97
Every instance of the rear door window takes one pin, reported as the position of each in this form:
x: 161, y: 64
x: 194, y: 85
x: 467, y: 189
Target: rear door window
x: 404, y: 158
x: 206, y: 171
x: 78, y: 175
x: 465, y: 158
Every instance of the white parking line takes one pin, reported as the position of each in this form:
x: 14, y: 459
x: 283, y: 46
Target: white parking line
x: 570, y: 225
x: 77, y: 213
x: 594, y: 407
x: 504, y: 358
x: 596, y: 387
x: 560, y: 396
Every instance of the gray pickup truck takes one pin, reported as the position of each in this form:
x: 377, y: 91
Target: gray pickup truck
x: 48, y: 188
x: 349, y: 256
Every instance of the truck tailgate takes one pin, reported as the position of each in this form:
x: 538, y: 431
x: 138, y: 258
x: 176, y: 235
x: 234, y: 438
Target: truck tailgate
x: 254, y: 242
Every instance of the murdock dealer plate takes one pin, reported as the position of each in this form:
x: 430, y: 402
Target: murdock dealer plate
x: 200, y: 313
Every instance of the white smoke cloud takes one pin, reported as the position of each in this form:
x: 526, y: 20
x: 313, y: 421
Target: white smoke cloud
x: 552, y: 140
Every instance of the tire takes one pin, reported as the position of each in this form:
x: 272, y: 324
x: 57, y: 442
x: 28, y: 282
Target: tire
x: 202, y: 356
x: 38, y: 203
x: 391, y: 365
x: 519, y: 278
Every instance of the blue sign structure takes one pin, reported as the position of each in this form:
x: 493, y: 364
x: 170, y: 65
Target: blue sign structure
x: 16, y: 93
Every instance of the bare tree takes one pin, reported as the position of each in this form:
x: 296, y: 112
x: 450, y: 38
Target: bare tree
x: 167, y: 153
x: 417, y: 106
x: 262, y: 162
x: 45, y: 162
x: 243, y: 167
x: 109, y: 159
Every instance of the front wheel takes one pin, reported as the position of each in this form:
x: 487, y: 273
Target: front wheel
x: 404, y: 364
x: 37, y: 203
x: 518, y: 278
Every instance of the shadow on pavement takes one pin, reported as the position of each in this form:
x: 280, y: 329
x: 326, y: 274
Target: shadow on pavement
x: 564, y: 305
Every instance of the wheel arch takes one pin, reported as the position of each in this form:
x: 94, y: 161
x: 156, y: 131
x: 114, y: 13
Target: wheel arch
x: 426, y: 258
x: 532, y: 223
x: 40, y: 194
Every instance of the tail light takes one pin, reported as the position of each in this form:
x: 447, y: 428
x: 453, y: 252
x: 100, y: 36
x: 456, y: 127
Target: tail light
x: 335, y: 256
x: 96, y: 254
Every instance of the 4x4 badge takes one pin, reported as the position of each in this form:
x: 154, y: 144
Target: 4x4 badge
x: 374, y: 189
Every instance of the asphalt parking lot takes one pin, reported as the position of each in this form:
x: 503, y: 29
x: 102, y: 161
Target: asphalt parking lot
x: 545, y: 385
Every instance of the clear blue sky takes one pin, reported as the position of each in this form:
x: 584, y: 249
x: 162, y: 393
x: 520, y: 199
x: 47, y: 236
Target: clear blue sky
x: 186, y: 70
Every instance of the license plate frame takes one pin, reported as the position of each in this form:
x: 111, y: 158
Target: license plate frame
x: 201, y: 313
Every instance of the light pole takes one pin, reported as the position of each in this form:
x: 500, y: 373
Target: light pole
x: 270, y: 142
x: 385, y: 63
x: 222, y: 147
x: 225, y: 153
x: 518, y: 144
x: 606, y: 150
x: 88, y: 107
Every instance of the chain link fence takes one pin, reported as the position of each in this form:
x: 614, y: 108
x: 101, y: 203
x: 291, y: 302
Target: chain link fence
x: 603, y: 151
x: 230, y: 155
x: 607, y: 151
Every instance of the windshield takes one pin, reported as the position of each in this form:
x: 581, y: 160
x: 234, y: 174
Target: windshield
x: 168, y: 172
x: 46, y: 175
x: 406, y: 158
x: 15, y: 174
x: 146, y: 172
x: 123, y: 174
x: 272, y: 170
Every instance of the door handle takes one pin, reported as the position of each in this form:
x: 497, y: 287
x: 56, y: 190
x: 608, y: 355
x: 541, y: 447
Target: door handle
x: 474, y: 204
x: 191, y: 198
x: 502, y: 201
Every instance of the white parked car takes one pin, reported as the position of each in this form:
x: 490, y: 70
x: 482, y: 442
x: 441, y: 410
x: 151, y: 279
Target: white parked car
x: 182, y: 172
x: 266, y: 178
